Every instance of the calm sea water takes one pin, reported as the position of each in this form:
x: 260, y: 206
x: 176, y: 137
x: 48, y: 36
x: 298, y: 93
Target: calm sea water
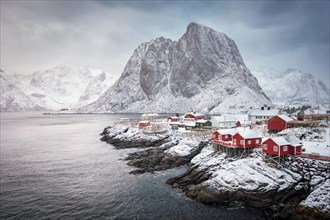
x: 55, y: 167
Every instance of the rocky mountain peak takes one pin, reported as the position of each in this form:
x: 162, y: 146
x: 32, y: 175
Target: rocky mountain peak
x: 197, y: 71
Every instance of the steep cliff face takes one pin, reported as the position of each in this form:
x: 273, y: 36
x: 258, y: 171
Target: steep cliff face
x: 292, y: 86
x: 203, y: 70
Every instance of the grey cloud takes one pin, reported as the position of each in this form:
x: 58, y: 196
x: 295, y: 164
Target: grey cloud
x: 281, y: 34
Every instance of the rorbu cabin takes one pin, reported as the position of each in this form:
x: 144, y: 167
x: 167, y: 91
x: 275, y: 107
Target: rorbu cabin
x: 143, y: 124
x: 196, y: 116
x: 190, y: 126
x: 206, y: 124
x: 173, y: 119
x: 278, y: 123
x: 282, y: 146
x: 224, y: 134
x: 247, y: 139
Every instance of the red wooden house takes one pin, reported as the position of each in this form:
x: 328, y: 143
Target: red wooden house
x: 247, y: 139
x: 173, y: 119
x: 282, y: 146
x: 224, y: 134
x: 143, y: 124
x: 196, y: 116
x: 278, y: 123
x: 224, y: 137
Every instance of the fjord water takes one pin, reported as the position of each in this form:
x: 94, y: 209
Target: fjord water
x: 55, y: 167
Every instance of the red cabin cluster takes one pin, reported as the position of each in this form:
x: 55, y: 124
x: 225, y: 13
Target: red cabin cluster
x: 237, y: 139
x: 282, y: 146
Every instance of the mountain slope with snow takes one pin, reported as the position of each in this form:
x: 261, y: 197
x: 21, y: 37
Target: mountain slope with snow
x: 291, y: 86
x: 64, y: 87
x: 203, y: 70
x: 13, y: 98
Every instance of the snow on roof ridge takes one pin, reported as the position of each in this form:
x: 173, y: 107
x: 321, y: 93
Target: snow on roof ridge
x: 250, y: 134
x: 286, y: 140
x: 285, y: 118
x: 265, y: 112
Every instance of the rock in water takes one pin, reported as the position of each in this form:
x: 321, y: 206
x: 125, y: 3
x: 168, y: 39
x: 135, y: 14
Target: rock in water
x: 203, y: 70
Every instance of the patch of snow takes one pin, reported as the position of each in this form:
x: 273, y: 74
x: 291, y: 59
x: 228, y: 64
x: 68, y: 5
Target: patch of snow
x: 319, y: 198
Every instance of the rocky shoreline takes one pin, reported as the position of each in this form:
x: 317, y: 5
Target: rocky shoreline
x: 291, y: 188
x: 159, y: 155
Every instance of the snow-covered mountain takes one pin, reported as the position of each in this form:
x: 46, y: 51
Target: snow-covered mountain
x: 13, y: 98
x: 291, y: 86
x: 63, y: 86
x: 202, y: 70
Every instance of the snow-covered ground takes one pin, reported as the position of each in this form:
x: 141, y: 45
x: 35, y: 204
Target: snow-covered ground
x: 251, y: 174
x: 315, y: 140
x: 319, y: 198
x: 185, y: 147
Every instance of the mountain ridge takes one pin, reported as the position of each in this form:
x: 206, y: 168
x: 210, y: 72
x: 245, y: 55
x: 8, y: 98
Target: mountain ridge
x: 292, y: 86
x: 197, y: 71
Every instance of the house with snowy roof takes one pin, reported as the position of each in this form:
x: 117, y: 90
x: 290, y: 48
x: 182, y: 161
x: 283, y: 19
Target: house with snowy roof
x: 247, y: 139
x: 261, y: 116
x: 173, y: 119
x: 282, y: 146
x: 237, y: 138
x: 206, y: 124
x: 194, y: 115
x: 225, y: 121
x: 278, y: 123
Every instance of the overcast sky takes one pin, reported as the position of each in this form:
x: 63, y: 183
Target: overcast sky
x: 103, y: 34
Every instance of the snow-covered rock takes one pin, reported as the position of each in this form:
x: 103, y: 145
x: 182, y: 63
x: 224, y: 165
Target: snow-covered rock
x: 202, y: 70
x: 63, y: 87
x: 13, y: 98
x: 317, y: 204
x: 184, y: 148
x: 164, y: 151
x: 126, y: 136
x: 291, y: 86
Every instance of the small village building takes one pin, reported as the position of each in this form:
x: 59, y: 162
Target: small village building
x: 150, y: 116
x: 174, y: 126
x: 227, y: 121
x: 206, y: 124
x: 224, y: 134
x: 261, y: 116
x: 315, y: 117
x: 196, y: 116
x: 190, y: 126
x: 143, y: 124
x: 297, y: 124
x: 173, y: 119
x: 247, y: 139
x: 282, y: 146
x: 278, y: 123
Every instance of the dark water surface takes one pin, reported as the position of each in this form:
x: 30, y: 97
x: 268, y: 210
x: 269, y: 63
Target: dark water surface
x: 55, y: 167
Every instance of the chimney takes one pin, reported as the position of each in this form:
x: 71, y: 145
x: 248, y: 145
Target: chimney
x: 268, y: 108
x: 262, y: 108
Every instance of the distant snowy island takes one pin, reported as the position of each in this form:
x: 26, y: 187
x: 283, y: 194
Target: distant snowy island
x: 296, y: 187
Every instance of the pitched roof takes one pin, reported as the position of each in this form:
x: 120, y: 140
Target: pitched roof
x: 231, y: 131
x: 202, y: 121
x: 194, y: 114
x: 250, y: 134
x: 285, y: 118
x: 265, y: 112
x: 287, y: 140
x: 225, y: 118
